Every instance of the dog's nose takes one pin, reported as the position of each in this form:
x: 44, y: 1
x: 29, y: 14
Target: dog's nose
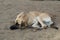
x: 14, y: 27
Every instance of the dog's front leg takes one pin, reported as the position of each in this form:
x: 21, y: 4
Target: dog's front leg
x: 35, y: 24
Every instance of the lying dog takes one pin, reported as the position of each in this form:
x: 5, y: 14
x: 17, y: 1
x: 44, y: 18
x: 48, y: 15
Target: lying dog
x: 33, y: 18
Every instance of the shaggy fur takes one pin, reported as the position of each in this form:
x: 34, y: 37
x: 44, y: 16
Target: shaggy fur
x: 33, y: 18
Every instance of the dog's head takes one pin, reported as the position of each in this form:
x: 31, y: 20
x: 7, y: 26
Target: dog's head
x: 19, y: 18
x: 19, y: 22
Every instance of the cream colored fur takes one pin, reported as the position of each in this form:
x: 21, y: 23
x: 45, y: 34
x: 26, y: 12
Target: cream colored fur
x: 33, y: 17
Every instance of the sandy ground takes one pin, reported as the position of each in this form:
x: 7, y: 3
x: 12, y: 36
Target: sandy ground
x: 10, y: 8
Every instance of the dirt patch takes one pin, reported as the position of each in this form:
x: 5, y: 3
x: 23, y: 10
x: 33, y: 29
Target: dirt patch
x: 10, y: 8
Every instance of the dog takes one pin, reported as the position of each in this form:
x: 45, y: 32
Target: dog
x: 33, y: 18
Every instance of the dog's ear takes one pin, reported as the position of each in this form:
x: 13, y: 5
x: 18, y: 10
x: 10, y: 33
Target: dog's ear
x: 20, y: 14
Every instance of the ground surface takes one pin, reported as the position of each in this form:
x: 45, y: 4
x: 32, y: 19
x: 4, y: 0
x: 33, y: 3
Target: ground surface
x: 10, y: 8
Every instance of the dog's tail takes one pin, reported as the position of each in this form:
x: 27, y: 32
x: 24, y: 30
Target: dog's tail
x: 55, y: 27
